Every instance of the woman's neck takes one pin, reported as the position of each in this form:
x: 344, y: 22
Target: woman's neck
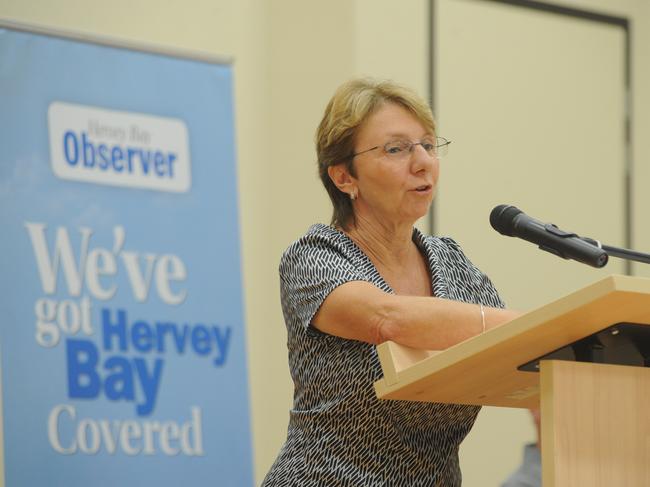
x: 385, y: 244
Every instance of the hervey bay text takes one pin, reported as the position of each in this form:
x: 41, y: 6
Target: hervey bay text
x: 127, y: 362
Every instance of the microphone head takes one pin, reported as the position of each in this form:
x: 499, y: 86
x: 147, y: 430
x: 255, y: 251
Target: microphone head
x: 502, y: 219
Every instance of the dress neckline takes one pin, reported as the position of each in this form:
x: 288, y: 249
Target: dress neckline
x: 423, y: 244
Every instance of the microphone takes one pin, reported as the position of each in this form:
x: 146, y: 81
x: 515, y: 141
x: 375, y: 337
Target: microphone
x: 511, y: 221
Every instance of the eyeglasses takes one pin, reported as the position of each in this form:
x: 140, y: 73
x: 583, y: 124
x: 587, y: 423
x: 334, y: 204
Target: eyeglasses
x: 401, y: 149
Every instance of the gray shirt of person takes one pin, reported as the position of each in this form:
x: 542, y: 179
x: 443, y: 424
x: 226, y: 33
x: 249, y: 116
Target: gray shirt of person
x: 529, y: 474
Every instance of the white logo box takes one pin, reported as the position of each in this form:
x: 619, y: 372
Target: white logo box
x: 133, y: 150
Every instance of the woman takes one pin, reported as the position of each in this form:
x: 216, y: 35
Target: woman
x: 370, y: 277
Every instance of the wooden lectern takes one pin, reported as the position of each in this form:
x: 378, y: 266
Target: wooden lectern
x: 566, y: 356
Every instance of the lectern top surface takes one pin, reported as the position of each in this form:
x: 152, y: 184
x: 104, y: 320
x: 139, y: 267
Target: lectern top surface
x: 483, y: 369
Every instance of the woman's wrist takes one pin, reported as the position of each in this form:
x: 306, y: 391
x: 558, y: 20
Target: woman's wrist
x: 498, y: 316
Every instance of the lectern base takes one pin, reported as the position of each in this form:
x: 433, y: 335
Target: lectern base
x: 595, y: 425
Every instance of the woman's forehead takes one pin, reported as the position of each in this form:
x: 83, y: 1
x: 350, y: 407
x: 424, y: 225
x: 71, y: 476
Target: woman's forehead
x: 392, y: 120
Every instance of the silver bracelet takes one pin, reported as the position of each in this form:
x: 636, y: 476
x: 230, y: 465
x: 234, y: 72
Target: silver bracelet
x: 482, y: 316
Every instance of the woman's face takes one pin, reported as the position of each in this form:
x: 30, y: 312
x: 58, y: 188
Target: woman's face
x: 393, y: 191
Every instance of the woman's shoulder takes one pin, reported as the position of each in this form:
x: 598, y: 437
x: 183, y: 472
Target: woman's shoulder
x: 325, y: 232
x: 321, y: 235
x: 320, y: 240
x: 325, y: 254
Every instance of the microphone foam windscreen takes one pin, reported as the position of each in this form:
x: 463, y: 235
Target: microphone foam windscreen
x: 502, y: 219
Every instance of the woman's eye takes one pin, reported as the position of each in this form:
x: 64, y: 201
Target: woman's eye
x: 393, y: 149
x: 428, y: 146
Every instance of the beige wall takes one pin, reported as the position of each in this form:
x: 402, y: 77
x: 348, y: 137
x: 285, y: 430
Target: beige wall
x: 289, y: 56
x: 638, y: 12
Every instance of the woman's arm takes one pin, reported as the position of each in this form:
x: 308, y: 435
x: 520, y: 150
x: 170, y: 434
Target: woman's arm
x: 360, y: 311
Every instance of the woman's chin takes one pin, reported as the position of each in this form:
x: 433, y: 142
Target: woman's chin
x: 416, y: 214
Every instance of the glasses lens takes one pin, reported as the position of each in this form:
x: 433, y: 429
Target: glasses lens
x: 397, y: 149
x: 429, y: 145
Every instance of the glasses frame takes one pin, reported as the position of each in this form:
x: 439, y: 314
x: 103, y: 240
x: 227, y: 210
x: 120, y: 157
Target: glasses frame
x: 440, y: 142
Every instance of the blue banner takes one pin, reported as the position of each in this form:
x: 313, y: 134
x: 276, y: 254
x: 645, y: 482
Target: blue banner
x: 122, y: 341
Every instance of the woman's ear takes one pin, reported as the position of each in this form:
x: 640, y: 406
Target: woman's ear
x: 342, y: 179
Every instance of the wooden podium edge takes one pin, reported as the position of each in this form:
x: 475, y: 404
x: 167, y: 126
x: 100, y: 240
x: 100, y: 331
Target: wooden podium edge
x: 394, y: 358
x: 403, y: 365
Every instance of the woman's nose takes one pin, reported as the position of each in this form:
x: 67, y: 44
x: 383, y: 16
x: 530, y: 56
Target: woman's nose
x: 420, y: 158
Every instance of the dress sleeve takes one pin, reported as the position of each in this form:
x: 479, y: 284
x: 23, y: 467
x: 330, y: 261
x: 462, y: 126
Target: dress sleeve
x: 466, y: 274
x: 310, y: 269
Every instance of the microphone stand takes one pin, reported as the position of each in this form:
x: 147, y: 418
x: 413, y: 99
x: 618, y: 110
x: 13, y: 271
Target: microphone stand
x: 621, y: 253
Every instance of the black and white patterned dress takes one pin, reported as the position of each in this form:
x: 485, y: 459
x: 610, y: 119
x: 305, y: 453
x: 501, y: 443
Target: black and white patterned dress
x: 339, y: 433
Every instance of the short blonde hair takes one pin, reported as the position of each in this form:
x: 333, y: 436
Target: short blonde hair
x: 352, y: 104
